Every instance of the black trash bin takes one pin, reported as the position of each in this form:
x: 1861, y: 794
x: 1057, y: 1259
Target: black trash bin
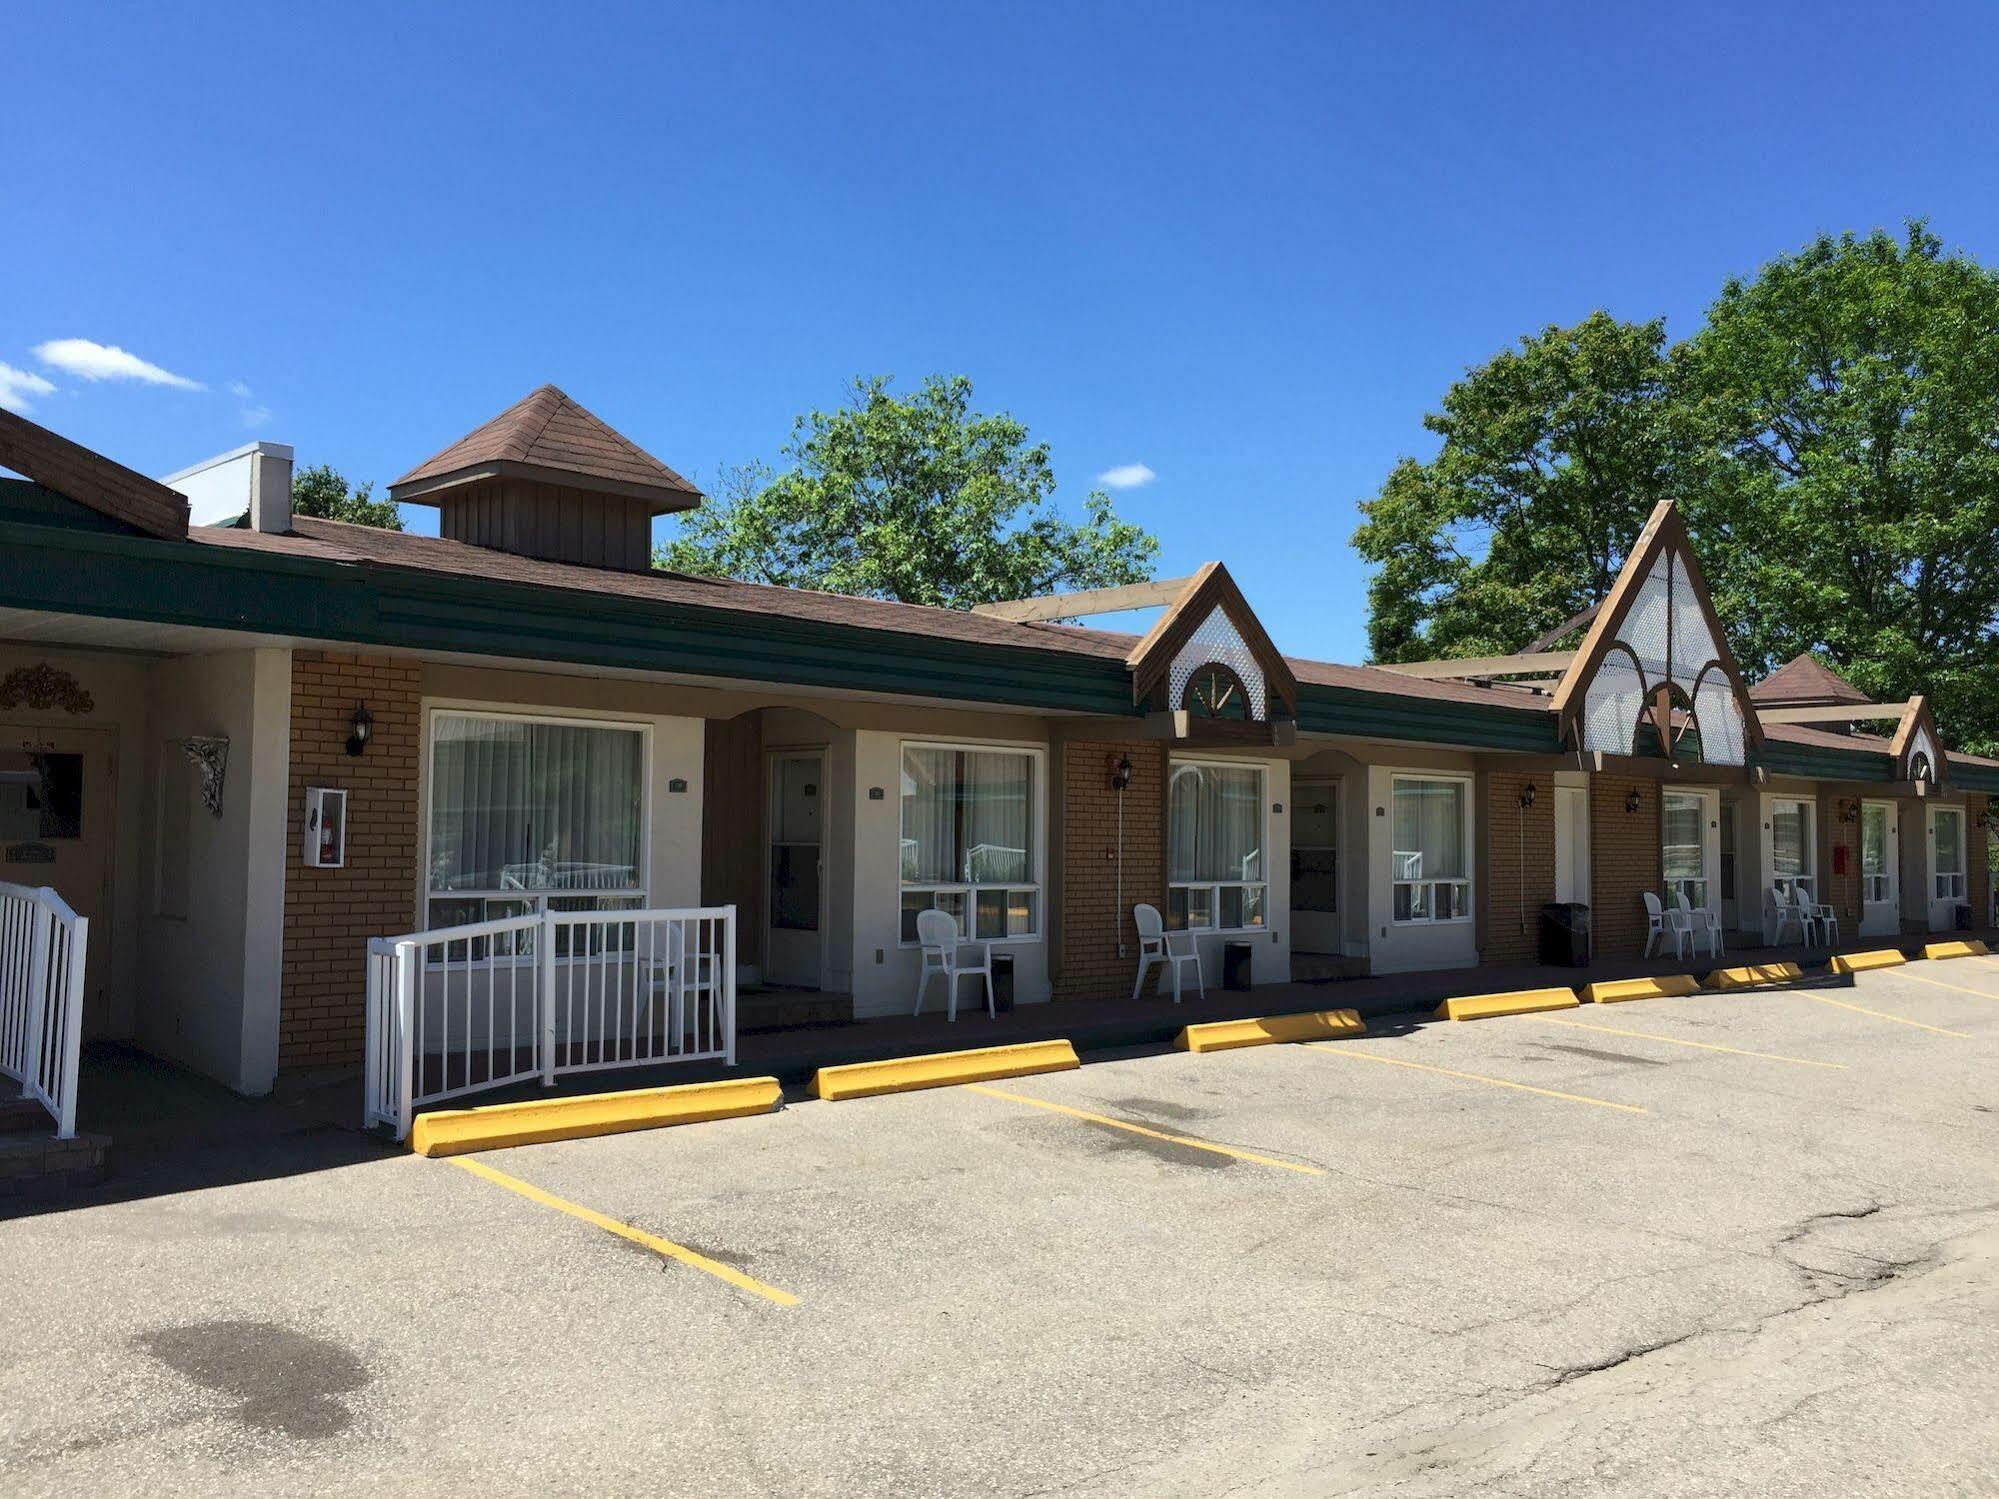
x: 1962, y: 921
x: 1565, y: 934
x: 1003, y: 982
x: 1238, y: 959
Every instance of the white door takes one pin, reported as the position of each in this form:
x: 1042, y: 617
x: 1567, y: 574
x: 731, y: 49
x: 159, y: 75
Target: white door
x: 1948, y: 869
x: 1315, y: 866
x: 794, y: 896
x: 1572, y: 844
x: 1880, y: 870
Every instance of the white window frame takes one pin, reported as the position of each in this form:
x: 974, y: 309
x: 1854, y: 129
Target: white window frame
x: 1789, y: 883
x: 1890, y: 879
x: 1959, y: 888
x: 1468, y: 880
x: 1214, y: 888
x: 967, y: 916
x: 535, y: 902
x: 1709, y: 801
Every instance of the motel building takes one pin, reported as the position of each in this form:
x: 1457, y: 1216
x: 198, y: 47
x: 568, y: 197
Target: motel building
x: 280, y: 795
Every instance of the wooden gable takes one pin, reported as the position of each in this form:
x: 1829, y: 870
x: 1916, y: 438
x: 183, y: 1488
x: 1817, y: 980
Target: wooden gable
x: 1211, y: 625
x: 1917, y: 751
x: 90, y: 479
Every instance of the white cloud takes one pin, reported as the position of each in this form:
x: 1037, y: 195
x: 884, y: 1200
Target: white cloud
x: 1127, y: 476
x: 238, y: 389
x: 17, y: 385
x: 94, y: 361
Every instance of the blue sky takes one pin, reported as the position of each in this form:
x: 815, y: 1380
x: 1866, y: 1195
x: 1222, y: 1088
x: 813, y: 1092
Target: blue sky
x: 1245, y: 246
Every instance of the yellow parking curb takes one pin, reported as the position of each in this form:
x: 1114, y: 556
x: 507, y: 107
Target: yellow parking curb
x: 1669, y: 986
x: 496, y: 1126
x: 943, y: 1069
x: 1860, y: 962
x: 1971, y: 949
x: 1515, y: 1002
x: 1314, y: 1025
x: 1754, y: 974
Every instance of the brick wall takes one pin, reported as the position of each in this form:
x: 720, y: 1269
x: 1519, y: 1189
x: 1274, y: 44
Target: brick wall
x: 331, y: 913
x: 1979, y: 868
x: 1086, y: 841
x: 1624, y: 862
x: 1520, y: 866
x: 1840, y: 891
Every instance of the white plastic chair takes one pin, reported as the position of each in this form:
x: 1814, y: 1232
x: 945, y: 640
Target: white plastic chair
x: 1661, y: 924
x: 1787, y: 915
x: 1812, y: 914
x: 944, y: 957
x: 1703, y: 926
x: 672, y: 979
x: 1155, y: 945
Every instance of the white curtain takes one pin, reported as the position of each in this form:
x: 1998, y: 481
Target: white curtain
x: 1429, y: 830
x: 1215, y: 817
x: 1788, y: 839
x: 997, y: 829
x: 1685, y: 851
x: 1873, y: 839
x: 517, y: 805
x: 967, y: 817
x: 1950, y: 842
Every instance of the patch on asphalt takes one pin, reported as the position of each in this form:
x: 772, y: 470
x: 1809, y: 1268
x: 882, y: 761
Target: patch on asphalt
x: 1603, y: 1056
x: 1100, y: 1139
x: 1149, y: 1111
x: 283, y: 1381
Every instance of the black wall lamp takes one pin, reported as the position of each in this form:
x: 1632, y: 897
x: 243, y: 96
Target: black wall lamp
x: 1631, y: 802
x: 361, y: 729
x: 1849, y: 811
x: 1121, y: 773
x: 1527, y: 794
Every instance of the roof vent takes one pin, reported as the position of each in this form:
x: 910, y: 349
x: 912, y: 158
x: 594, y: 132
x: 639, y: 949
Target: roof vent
x: 545, y: 478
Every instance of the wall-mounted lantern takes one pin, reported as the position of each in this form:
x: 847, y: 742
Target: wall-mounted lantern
x: 1527, y: 795
x: 1121, y: 773
x: 1631, y: 803
x: 361, y: 728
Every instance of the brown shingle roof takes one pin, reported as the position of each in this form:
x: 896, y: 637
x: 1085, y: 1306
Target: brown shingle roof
x: 1805, y: 682
x: 547, y: 435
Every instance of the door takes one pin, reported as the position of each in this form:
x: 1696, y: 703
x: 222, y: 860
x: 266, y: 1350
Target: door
x: 1315, y: 866
x: 1949, y: 882
x: 1880, y: 870
x: 56, y: 830
x: 1572, y: 844
x: 795, y: 782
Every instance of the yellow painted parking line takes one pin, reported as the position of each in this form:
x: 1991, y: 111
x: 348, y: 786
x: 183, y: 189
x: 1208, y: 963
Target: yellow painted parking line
x: 1475, y: 1077
x: 1940, y: 984
x: 1879, y: 1014
x: 1139, y: 1129
x: 1734, y: 1051
x: 656, y: 1244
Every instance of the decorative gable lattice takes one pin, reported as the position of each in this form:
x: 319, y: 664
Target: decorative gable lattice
x: 1914, y: 749
x: 1655, y: 653
x: 1217, y: 642
x: 1209, y: 659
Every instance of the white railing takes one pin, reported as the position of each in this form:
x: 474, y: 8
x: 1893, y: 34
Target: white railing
x: 43, y: 946
x: 466, y: 1008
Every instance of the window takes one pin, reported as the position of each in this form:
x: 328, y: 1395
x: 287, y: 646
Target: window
x: 1683, y: 849
x: 968, y: 839
x: 1947, y: 868
x: 41, y: 796
x: 1877, y: 859
x: 1315, y: 848
x: 528, y: 815
x: 1432, y: 833
x: 1793, y: 859
x: 1214, y: 856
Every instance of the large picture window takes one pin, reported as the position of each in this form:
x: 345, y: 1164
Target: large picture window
x: 968, y: 839
x: 1683, y: 847
x: 1432, y: 838
x: 531, y: 814
x: 1216, y: 875
x: 1793, y: 848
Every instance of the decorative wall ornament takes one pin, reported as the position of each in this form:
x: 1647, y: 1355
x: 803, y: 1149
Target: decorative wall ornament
x: 42, y: 687
x: 211, y: 758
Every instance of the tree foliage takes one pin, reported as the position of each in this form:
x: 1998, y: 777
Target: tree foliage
x: 323, y: 491
x: 1832, y: 436
x: 915, y: 498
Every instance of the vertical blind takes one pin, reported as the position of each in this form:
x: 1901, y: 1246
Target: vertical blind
x: 522, y: 805
x: 1215, y: 816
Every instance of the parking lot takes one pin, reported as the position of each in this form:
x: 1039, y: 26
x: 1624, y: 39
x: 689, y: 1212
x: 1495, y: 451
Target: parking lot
x: 1708, y: 1245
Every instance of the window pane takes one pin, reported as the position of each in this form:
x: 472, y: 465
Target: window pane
x: 1950, y: 842
x: 989, y: 915
x: 1020, y: 913
x: 534, y: 806
x: 967, y: 815
x: 1789, y: 839
x: 1215, y: 823
x: 1193, y: 906
x: 1684, y: 852
x: 1231, y: 905
x: 1252, y: 905
x: 1873, y: 839
x: 41, y: 795
x: 794, y: 887
x: 1429, y: 830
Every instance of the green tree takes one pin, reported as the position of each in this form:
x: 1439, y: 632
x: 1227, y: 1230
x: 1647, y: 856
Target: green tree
x: 1843, y: 407
x: 1552, y: 454
x: 919, y: 499
x: 323, y: 491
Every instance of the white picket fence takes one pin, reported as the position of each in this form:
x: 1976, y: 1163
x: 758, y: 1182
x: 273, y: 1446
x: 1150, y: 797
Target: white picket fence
x: 43, y: 947
x: 467, y: 1008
